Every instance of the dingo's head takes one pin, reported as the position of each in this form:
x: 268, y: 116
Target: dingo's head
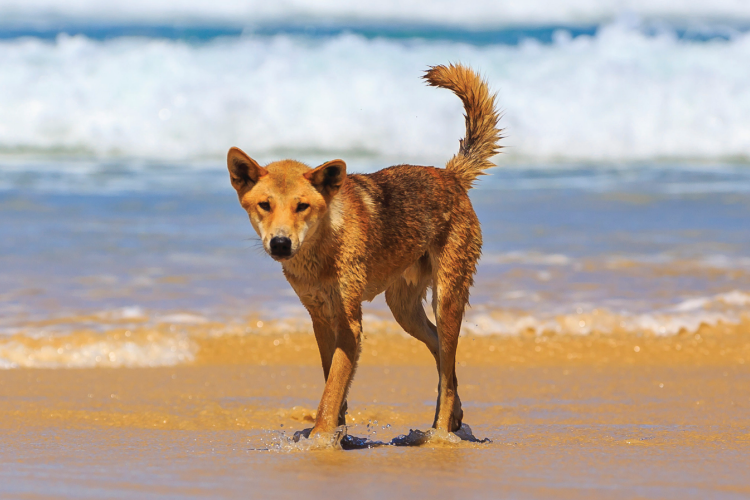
x: 285, y: 200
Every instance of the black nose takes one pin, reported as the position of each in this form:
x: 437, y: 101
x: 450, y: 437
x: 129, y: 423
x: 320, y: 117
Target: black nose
x: 281, y: 246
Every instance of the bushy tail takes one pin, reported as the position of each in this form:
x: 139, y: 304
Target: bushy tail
x: 482, y: 134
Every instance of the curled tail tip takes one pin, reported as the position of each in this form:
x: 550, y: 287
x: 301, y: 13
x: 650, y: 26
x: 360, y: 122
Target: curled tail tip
x: 440, y: 75
x: 430, y: 73
x: 481, y: 141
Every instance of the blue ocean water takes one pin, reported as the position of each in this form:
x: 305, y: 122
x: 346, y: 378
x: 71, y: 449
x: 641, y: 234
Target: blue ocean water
x: 635, y: 248
x: 505, y: 35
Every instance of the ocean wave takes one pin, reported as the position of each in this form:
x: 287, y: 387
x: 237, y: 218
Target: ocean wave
x: 600, y: 322
x: 687, y: 316
x: 96, y: 351
x: 621, y: 95
x: 132, y: 338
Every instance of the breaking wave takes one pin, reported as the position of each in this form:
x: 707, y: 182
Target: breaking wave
x: 685, y: 317
x: 619, y: 94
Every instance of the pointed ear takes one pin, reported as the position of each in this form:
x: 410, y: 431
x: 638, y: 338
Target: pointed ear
x: 328, y: 178
x: 244, y: 172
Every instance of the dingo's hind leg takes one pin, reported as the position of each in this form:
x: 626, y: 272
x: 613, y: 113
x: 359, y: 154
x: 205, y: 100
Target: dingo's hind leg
x: 454, y: 267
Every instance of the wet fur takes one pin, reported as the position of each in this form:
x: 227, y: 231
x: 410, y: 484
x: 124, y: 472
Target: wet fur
x: 400, y: 231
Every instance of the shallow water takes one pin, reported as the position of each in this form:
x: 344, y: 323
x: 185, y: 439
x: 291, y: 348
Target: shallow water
x: 582, y: 250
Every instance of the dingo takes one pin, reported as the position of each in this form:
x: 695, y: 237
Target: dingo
x: 342, y: 239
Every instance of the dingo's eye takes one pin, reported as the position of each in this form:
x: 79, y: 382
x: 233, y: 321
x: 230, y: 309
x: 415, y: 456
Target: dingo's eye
x: 302, y: 207
x: 265, y: 206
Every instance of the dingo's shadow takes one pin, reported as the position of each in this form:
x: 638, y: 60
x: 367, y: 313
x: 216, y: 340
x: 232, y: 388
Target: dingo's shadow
x: 341, y: 439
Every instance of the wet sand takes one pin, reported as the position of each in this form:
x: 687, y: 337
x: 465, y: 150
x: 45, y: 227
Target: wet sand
x: 569, y: 417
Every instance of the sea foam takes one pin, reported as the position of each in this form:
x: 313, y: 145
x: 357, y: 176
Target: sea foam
x: 22, y: 352
x: 621, y: 95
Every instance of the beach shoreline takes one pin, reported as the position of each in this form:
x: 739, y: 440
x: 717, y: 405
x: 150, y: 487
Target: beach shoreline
x: 577, y: 426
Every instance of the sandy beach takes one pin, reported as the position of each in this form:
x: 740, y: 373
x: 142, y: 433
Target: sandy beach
x: 570, y: 417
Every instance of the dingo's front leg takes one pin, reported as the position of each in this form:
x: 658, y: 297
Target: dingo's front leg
x: 348, y: 324
x: 325, y: 336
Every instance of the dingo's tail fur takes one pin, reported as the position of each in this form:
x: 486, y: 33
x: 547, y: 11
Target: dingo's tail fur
x: 482, y: 133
